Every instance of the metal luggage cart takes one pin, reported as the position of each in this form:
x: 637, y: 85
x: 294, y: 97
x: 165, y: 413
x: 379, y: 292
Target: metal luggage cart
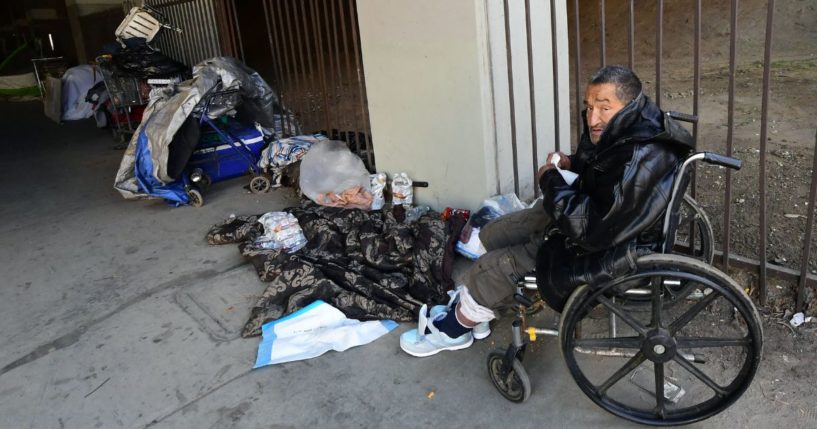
x: 48, y: 67
x: 230, y: 150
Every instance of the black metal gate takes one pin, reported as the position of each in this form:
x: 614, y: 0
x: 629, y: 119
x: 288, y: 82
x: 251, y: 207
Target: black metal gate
x: 309, y: 52
x: 590, y: 34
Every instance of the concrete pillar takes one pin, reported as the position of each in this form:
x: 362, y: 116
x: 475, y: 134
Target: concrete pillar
x: 437, y: 84
x: 427, y: 70
x: 76, y: 30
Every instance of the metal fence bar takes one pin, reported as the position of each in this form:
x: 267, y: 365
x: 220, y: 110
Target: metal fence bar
x: 212, y: 29
x: 238, y: 33
x: 307, y: 32
x: 764, y: 125
x: 286, y: 76
x: 296, y: 34
x: 659, y: 47
x: 361, y: 85
x: 337, y: 59
x: 696, y: 85
x: 226, y: 32
x: 631, y: 36
x: 577, y: 71
x: 532, y: 98
x: 801, y: 286
x: 554, y: 51
x: 274, y: 54
x: 509, y: 58
x: 292, y: 58
x: 331, y: 65
x: 696, y: 102
x: 320, y: 63
x: 727, y: 195
x: 602, y: 30
x: 352, y: 123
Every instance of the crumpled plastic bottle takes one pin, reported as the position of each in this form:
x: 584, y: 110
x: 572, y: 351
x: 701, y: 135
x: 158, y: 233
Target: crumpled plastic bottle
x: 414, y: 213
x: 281, y: 231
x: 378, y: 185
x: 401, y: 190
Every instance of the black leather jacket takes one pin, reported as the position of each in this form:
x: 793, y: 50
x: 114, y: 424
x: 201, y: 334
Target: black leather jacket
x: 622, y: 191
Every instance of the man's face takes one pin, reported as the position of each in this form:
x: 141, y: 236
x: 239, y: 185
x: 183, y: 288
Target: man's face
x: 602, y: 104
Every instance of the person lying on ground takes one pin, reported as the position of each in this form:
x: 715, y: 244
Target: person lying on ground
x: 626, y: 162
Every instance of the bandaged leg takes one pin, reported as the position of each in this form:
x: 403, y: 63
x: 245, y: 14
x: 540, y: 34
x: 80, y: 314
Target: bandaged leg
x: 469, y: 312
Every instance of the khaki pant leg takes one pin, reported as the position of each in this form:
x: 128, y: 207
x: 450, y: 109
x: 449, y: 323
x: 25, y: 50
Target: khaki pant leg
x: 514, y: 228
x: 492, y: 279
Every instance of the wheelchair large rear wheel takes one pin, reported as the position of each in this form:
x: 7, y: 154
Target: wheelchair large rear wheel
x: 694, y: 236
x: 667, y: 365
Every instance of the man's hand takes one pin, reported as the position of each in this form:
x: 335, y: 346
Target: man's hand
x: 564, y: 163
x: 564, y: 160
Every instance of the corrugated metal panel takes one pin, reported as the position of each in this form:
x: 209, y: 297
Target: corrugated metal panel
x: 199, y: 38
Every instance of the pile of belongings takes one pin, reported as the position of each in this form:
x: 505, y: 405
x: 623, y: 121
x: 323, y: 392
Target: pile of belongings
x: 370, y: 265
x: 163, y: 141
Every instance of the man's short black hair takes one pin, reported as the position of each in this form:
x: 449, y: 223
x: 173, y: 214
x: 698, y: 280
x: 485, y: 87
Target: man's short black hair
x: 628, y: 85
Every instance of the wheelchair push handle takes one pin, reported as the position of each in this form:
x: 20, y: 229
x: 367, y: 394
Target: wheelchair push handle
x: 723, y: 160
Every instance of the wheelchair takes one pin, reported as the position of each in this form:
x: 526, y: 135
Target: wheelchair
x: 672, y: 342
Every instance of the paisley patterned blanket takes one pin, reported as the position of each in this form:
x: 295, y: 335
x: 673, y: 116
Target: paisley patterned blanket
x: 368, y: 264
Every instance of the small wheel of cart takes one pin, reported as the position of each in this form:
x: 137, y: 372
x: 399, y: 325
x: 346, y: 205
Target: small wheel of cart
x: 513, y: 383
x: 196, y: 200
x: 259, y: 184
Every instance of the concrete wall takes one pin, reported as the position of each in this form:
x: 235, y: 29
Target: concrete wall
x: 437, y: 81
x: 427, y: 75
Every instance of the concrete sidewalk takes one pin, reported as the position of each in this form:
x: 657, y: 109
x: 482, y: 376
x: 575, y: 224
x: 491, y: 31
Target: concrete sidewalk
x: 117, y: 313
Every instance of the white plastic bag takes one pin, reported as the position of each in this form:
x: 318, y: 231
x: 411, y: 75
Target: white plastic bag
x: 330, y: 167
x: 469, y: 244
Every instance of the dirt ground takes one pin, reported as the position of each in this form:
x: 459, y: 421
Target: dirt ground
x: 786, y: 377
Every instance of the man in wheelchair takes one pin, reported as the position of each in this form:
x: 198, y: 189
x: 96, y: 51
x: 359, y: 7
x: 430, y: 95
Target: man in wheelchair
x: 579, y: 232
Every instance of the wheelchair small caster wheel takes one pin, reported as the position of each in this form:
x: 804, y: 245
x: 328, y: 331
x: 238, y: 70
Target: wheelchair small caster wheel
x: 513, y: 384
x: 259, y: 184
x: 196, y: 200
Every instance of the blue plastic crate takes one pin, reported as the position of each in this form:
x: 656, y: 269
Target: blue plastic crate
x: 218, y: 160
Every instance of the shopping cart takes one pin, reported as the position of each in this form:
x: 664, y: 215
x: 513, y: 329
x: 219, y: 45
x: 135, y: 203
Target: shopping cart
x: 128, y: 97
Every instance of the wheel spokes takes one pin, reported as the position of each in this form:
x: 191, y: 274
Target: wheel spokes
x: 685, y: 318
x: 695, y: 342
x: 659, y: 389
x: 618, y: 342
x: 624, y: 370
x: 657, y: 301
x: 720, y: 391
x: 622, y: 315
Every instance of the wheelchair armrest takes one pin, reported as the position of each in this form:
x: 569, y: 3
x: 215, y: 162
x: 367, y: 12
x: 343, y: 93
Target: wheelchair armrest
x: 722, y: 160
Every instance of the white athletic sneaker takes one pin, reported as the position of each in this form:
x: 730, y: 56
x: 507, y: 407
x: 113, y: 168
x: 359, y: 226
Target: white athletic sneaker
x: 415, y: 343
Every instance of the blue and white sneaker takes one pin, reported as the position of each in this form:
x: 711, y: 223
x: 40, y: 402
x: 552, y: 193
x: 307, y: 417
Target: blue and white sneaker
x: 415, y: 343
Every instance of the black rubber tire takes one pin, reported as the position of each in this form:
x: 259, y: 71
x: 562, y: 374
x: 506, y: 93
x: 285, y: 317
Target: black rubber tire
x: 704, y: 236
x: 196, y: 199
x: 517, y: 388
x: 259, y: 184
x: 584, y: 299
